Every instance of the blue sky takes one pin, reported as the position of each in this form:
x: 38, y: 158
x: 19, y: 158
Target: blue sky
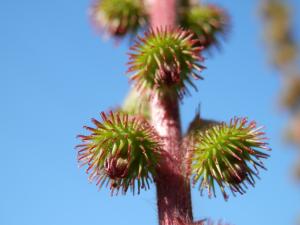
x: 56, y: 73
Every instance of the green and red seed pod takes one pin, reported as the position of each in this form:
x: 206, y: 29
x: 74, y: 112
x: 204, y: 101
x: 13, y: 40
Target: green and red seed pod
x: 165, y: 60
x: 197, y: 125
x: 207, y: 22
x: 122, y: 151
x: 118, y: 17
x: 228, y: 156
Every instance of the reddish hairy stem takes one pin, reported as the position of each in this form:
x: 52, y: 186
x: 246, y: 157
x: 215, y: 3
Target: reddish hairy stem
x: 173, y: 187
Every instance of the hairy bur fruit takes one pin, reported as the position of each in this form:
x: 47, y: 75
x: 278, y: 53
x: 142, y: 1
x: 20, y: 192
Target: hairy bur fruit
x: 197, y: 125
x: 122, y: 151
x: 206, y: 21
x: 224, y: 154
x: 119, y: 18
x: 165, y: 60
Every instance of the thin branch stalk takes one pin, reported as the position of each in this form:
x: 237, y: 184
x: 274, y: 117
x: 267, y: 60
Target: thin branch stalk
x: 173, y: 187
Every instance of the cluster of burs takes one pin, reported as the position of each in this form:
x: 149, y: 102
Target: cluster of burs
x: 123, y: 151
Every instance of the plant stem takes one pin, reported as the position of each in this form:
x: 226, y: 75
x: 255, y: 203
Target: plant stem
x: 173, y: 187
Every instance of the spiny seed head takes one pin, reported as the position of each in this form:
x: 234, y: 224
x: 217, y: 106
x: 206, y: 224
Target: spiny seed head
x: 122, y: 151
x: 118, y: 17
x: 165, y: 60
x: 206, y: 21
x: 228, y: 155
x: 198, y: 125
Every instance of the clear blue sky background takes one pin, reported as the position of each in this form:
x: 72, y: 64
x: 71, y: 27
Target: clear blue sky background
x: 56, y: 74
